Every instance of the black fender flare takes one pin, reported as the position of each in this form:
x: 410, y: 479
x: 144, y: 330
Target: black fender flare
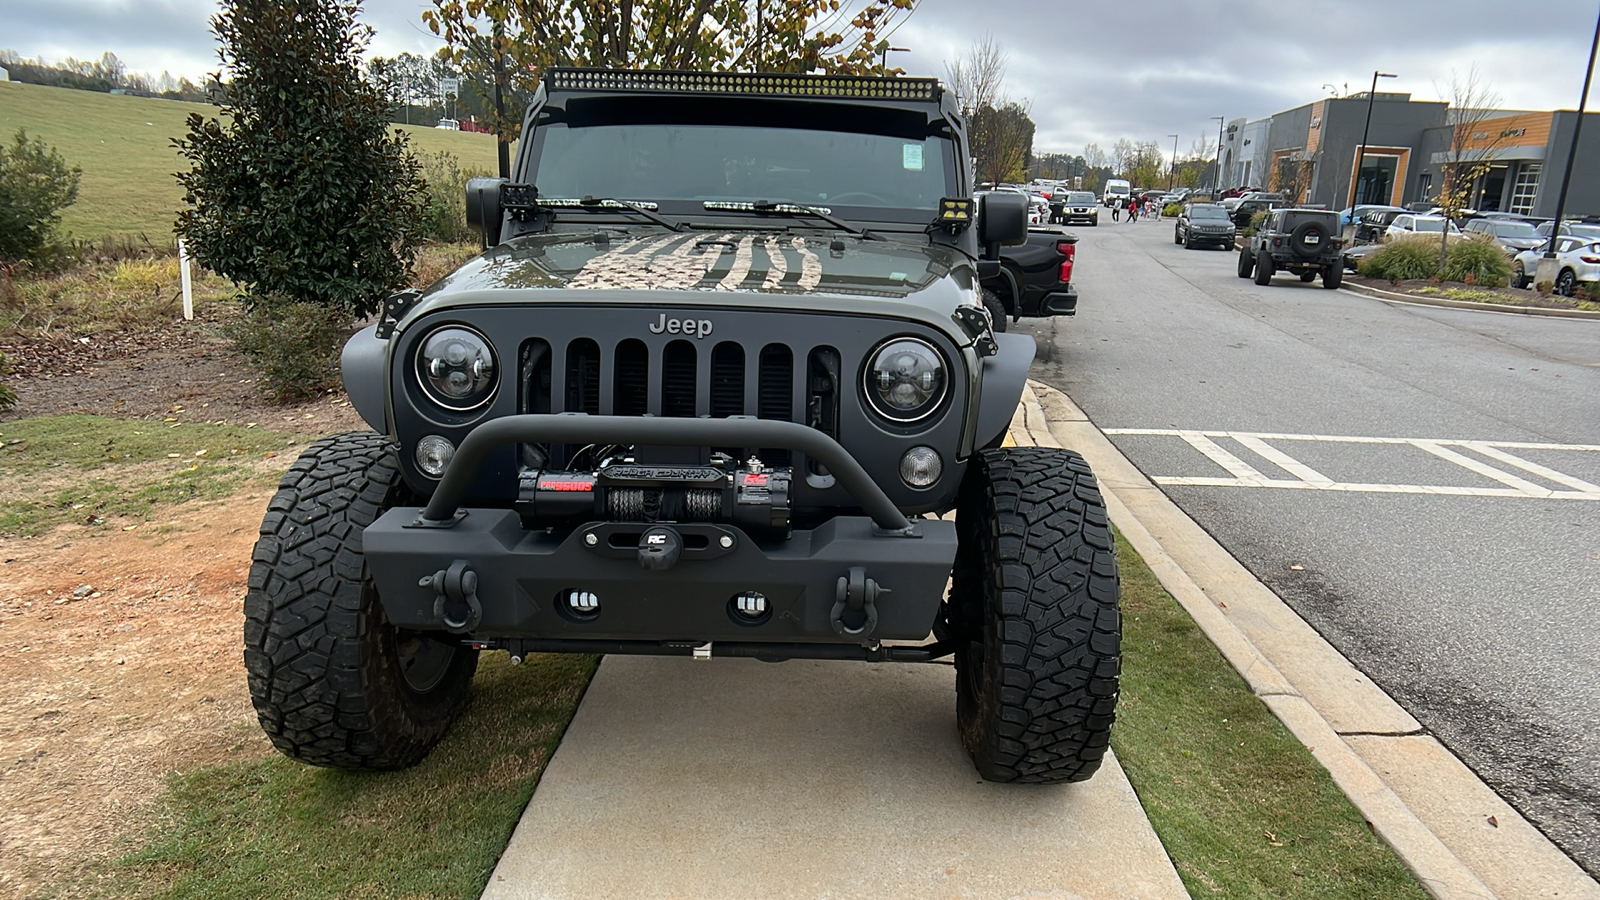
x: 1005, y: 374
x: 364, y: 365
x: 1012, y: 288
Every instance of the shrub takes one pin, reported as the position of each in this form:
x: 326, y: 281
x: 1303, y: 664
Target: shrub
x: 1545, y: 288
x: 444, y: 212
x: 295, y: 345
x: 1255, y: 221
x: 1403, y: 259
x: 35, y: 185
x: 7, y: 398
x: 1478, y: 259
x: 1172, y: 209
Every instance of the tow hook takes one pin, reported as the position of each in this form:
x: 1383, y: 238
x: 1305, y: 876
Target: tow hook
x: 455, y: 597
x: 855, y: 606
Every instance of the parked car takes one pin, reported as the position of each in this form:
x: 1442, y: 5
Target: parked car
x: 1078, y: 206
x: 1302, y: 241
x: 1578, y: 258
x: 1410, y: 223
x: 1577, y: 229
x: 1204, y: 223
x: 1263, y: 195
x: 1351, y: 215
x: 448, y: 125
x: 1511, y: 235
x: 1245, y: 209
x: 1181, y: 195
x: 1372, y: 226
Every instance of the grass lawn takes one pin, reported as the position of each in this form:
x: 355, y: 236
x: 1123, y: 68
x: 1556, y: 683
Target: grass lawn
x: 124, y: 145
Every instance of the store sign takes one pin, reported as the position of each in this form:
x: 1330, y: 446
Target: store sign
x: 1513, y: 132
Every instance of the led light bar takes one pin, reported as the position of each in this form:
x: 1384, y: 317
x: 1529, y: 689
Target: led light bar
x: 766, y: 84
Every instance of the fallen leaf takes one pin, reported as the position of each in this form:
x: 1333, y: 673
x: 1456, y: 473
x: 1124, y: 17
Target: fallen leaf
x: 174, y: 455
x: 1298, y: 568
x: 1494, y: 822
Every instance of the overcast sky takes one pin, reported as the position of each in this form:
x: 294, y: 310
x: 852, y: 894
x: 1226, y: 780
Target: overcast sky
x: 1140, y: 69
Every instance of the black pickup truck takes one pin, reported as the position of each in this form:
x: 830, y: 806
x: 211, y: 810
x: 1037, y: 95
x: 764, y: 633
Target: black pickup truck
x: 1034, y: 278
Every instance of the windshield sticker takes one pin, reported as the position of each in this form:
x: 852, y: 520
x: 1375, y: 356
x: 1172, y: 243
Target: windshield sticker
x: 911, y: 157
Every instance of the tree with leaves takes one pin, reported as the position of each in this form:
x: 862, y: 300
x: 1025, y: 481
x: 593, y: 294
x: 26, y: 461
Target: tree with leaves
x: 999, y: 129
x: 508, y: 44
x: 300, y: 193
x: 36, y: 183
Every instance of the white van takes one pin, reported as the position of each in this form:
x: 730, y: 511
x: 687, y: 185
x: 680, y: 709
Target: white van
x: 1116, y: 189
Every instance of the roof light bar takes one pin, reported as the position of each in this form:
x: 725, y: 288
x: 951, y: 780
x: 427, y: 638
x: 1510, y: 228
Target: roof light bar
x: 749, y: 83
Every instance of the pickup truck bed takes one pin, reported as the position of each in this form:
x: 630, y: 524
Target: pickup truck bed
x: 1035, y: 277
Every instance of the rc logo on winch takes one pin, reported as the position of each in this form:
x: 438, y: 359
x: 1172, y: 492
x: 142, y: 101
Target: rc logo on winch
x: 697, y: 328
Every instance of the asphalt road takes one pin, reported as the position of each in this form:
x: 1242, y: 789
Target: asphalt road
x: 1462, y: 576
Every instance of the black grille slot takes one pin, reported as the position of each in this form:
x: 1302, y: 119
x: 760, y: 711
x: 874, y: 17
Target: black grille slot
x: 678, y: 382
x: 727, y: 380
x: 631, y: 387
x: 536, y: 376
x: 583, y: 377
x: 775, y: 394
x: 822, y: 397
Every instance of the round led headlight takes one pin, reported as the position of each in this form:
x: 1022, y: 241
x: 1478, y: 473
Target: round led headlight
x: 457, y: 368
x: 906, y: 380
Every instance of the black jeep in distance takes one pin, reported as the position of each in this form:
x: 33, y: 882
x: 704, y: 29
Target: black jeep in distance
x: 1302, y: 241
x: 713, y: 389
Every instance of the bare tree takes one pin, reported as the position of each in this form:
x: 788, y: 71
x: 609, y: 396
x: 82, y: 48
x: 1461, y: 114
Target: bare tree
x: 1472, y: 146
x: 999, y: 128
x: 976, y: 77
x: 1123, y: 154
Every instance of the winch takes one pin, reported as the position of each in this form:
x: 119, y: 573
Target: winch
x: 751, y: 495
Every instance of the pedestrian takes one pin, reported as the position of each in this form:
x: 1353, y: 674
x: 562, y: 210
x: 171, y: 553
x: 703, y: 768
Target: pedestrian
x: 1133, y: 210
x: 1152, y: 209
x: 1116, y: 210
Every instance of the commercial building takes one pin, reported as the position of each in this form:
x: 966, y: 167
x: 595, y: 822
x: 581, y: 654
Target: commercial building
x: 1310, y: 153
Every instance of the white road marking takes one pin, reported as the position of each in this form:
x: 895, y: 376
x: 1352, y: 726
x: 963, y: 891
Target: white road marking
x: 1307, y: 478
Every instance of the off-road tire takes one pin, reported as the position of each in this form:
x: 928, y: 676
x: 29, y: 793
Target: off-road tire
x: 997, y: 310
x: 1264, y: 269
x: 328, y: 674
x: 1247, y: 262
x: 1332, y: 277
x: 1176, y: 239
x: 1034, y: 610
x: 1297, y: 239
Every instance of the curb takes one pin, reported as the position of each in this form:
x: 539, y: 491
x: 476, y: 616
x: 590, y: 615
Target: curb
x: 1420, y: 799
x: 1362, y: 290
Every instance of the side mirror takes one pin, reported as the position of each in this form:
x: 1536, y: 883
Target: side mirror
x: 483, y: 208
x: 1002, y: 221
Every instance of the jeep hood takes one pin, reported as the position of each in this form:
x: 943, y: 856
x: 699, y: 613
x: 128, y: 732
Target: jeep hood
x: 713, y: 268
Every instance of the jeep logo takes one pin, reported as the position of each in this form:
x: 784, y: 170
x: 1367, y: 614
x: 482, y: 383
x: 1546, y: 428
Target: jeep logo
x: 697, y: 328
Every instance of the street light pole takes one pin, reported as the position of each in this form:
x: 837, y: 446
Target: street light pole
x: 1361, y: 151
x: 1216, y: 178
x: 1572, y: 152
x: 1172, y: 170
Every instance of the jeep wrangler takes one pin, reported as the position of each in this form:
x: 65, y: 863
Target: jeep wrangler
x: 1302, y: 241
x: 721, y: 384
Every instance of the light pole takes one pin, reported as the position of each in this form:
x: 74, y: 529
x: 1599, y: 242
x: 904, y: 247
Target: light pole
x: 1216, y: 178
x: 1172, y: 170
x: 1572, y: 152
x: 1361, y: 151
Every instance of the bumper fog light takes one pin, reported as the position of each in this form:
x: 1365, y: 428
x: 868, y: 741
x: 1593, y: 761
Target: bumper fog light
x: 921, y: 467
x: 750, y: 605
x: 434, y: 454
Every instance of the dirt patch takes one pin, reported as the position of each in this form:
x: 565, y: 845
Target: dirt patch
x: 121, y: 656
x: 1507, y: 296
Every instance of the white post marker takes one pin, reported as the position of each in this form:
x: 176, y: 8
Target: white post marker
x: 183, y: 276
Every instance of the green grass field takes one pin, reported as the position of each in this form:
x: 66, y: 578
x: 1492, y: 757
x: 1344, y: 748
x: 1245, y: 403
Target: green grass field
x: 124, y: 145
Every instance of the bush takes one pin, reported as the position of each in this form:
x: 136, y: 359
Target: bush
x: 7, y: 398
x: 444, y: 212
x: 1476, y: 260
x: 1255, y: 221
x: 35, y: 185
x: 294, y: 344
x: 1173, y: 210
x: 1403, y: 259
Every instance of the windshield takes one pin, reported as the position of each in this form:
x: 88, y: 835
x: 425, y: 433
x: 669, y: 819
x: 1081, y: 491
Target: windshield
x: 1207, y: 212
x: 1434, y: 225
x: 1515, y: 230
x: 666, y: 162
x: 1083, y: 197
x: 1592, y: 231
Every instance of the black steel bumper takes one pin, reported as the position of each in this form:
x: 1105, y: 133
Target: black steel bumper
x: 521, y: 579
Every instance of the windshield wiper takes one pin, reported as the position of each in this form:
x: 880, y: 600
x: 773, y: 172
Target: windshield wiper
x: 792, y: 209
x: 596, y: 203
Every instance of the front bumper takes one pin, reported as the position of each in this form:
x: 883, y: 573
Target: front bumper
x: 1220, y: 238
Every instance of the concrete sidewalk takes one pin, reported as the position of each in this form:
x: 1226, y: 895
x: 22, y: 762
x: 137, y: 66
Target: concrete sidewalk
x: 737, y: 778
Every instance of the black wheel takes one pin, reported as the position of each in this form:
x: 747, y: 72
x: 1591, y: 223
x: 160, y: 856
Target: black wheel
x: 1034, y: 609
x: 1246, y: 262
x: 1308, y: 277
x: 1566, y: 283
x: 1264, y: 269
x: 333, y: 683
x: 997, y: 310
x: 1178, y: 239
x: 1332, y: 277
x: 1519, y: 276
x: 1188, y: 242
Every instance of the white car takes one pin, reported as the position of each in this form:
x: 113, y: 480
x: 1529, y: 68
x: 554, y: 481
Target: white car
x: 1578, y: 258
x: 1412, y: 224
x: 448, y: 125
